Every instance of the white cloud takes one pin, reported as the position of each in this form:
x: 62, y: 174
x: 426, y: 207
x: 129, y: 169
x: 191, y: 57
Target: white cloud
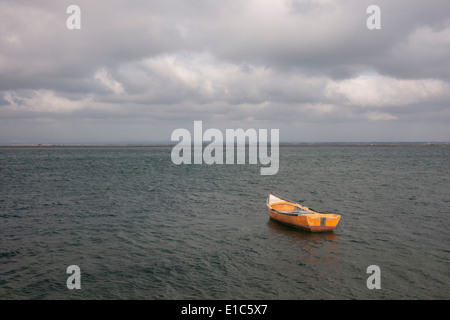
x: 377, y: 116
x: 382, y: 91
x: 42, y: 101
x: 108, y: 81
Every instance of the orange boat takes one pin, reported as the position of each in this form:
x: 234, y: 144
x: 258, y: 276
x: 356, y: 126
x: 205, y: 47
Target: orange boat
x: 293, y: 214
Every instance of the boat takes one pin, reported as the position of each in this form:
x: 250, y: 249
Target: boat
x: 293, y: 214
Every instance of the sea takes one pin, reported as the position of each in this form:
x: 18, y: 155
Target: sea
x: 139, y: 227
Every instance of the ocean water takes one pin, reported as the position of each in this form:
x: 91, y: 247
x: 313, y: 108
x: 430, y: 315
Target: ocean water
x: 140, y: 227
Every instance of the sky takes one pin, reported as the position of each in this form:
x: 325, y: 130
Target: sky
x: 137, y: 70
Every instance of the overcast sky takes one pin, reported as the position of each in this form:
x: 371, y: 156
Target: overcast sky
x: 137, y: 70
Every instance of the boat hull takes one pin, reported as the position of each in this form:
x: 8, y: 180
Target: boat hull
x: 305, y: 222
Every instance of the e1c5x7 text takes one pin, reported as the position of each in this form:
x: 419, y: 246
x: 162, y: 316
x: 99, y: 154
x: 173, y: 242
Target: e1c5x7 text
x: 245, y: 309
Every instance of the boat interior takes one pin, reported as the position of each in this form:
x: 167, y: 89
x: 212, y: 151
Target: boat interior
x: 288, y: 208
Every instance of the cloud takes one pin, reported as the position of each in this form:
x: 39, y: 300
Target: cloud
x: 382, y: 91
x: 41, y: 101
x: 281, y: 64
x: 376, y: 116
x: 106, y: 80
x: 423, y: 53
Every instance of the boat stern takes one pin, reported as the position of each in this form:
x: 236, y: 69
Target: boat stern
x: 323, y: 222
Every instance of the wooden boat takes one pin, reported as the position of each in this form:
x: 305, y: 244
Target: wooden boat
x: 296, y: 215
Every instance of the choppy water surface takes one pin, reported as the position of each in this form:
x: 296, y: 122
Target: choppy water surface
x: 140, y: 227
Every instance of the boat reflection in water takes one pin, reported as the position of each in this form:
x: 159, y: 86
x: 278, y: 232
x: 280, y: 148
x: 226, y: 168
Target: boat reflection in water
x: 298, y: 234
x: 319, y: 250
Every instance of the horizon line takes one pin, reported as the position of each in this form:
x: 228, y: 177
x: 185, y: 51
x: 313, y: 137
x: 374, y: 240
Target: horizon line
x: 281, y: 144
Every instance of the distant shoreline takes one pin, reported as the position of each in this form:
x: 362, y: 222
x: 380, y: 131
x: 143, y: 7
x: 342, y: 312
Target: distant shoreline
x: 282, y: 145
